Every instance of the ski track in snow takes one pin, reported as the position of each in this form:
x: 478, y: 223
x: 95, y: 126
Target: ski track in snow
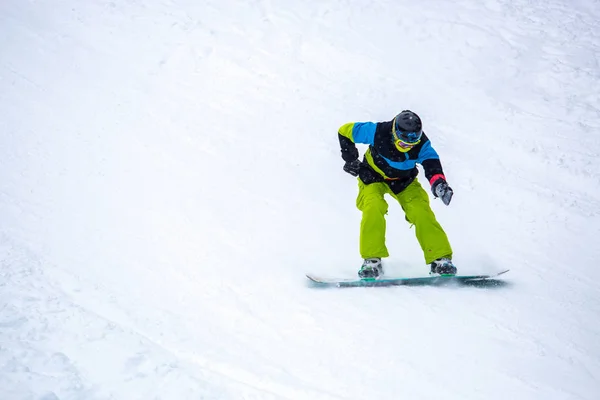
x: 169, y: 170
x: 39, y: 319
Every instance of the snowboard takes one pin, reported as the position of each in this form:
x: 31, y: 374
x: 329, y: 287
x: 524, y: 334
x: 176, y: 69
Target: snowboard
x: 441, y: 280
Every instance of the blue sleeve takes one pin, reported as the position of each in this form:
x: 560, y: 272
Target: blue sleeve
x: 364, y: 132
x: 427, y: 153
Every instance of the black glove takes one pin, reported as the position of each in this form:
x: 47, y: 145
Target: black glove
x: 352, y: 167
x: 441, y: 189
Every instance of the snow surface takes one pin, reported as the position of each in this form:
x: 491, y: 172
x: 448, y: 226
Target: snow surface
x: 170, y: 169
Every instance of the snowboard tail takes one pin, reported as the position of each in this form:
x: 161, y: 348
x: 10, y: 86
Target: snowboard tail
x: 459, y: 280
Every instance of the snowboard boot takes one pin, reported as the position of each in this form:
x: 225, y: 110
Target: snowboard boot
x: 371, y: 269
x: 443, y: 266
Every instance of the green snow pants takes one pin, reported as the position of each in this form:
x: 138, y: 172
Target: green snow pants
x: 415, y: 203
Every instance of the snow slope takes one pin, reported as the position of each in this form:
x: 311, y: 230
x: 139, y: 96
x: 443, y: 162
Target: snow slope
x: 169, y: 170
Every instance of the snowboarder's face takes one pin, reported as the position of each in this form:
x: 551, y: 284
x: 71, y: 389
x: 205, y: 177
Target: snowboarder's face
x: 401, y: 145
x: 404, y: 141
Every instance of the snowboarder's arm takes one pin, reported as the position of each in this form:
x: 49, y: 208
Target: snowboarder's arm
x: 434, y: 173
x: 430, y: 160
x: 355, y: 132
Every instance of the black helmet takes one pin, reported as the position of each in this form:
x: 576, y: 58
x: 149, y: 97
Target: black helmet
x: 407, y: 127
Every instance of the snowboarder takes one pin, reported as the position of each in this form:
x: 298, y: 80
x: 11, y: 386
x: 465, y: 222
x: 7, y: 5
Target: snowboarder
x: 389, y: 167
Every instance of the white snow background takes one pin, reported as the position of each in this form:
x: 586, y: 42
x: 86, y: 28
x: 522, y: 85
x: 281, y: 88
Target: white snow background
x: 170, y: 170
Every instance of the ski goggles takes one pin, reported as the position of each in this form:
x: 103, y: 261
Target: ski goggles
x: 405, y: 141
